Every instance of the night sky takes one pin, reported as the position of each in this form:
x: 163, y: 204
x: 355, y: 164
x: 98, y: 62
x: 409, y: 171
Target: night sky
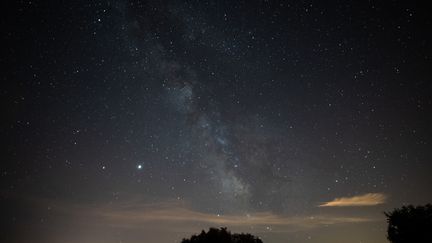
x: 147, y: 121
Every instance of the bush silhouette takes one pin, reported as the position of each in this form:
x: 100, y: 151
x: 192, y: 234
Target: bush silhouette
x: 410, y: 224
x: 221, y: 235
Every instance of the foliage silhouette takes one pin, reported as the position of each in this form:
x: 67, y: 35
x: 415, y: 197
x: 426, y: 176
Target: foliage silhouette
x: 221, y: 235
x: 410, y: 224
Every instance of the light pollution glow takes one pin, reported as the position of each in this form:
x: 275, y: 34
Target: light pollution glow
x: 135, y: 214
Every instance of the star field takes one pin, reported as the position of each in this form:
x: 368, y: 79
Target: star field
x: 146, y: 121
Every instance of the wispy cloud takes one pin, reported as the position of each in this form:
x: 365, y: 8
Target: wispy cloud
x: 135, y: 214
x: 368, y: 199
x: 185, y: 215
x: 178, y: 216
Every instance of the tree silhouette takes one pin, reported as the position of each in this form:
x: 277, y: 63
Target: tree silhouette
x: 410, y: 224
x: 221, y: 235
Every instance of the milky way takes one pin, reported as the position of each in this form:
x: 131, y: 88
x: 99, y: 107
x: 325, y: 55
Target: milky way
x: 147, y: 121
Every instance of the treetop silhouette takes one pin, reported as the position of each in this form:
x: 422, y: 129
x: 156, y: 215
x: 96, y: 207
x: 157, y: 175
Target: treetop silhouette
x: 221, y: 235
x: 410, y: 224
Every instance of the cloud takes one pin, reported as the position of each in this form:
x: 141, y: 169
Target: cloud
x: 368, y: 199
x: 133, y: 218
x: 178, y: 216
